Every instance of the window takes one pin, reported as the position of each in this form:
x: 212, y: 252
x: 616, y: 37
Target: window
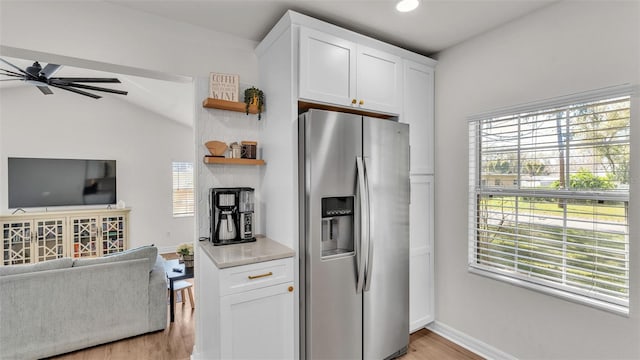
x: 562, y: 227
x: 182, y: 188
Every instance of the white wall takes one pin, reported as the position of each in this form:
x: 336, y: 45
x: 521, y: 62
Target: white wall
x: 109, y: 33
x: 67, y: 125
x: 569, y: 47
x: 228, y: 127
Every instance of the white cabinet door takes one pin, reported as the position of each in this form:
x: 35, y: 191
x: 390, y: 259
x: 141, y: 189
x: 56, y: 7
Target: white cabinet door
x: 327, y: 68
x: 17, y: 244
x: 379, y: 80
x: 339, y: 72
x: 421, y: 277
x: 258, y: 324
x: 418, y: 113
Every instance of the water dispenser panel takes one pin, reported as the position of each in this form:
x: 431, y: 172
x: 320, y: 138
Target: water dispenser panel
x: 337, y: 226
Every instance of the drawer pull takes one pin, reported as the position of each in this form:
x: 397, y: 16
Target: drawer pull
x: 252, y: 277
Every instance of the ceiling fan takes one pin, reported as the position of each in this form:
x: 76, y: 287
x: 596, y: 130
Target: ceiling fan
x: 42, y: 79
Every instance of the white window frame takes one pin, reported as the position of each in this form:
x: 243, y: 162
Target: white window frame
x: 474, y: 266
x: 182, y: 180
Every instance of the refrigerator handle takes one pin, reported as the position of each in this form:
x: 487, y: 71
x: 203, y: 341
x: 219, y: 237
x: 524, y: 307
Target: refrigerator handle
x: 369, y: 262
x: 364, y: 222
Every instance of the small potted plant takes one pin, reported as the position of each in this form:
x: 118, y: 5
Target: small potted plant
x: 185, y: 250
x: 253, y: 95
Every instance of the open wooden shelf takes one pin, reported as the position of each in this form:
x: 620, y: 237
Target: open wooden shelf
x: 228, y: 105
x: 232, y: 161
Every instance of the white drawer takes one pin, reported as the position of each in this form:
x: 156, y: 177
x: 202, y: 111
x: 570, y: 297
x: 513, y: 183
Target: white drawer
x: 254, y: 276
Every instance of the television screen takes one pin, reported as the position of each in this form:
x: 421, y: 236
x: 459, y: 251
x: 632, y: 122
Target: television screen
x: 35, y: 182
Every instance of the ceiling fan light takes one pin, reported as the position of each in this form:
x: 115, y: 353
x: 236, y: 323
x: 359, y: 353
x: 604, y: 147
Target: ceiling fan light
x: 407, y: 5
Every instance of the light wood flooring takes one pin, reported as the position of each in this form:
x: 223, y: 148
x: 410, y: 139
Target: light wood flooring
x: 425, y: 344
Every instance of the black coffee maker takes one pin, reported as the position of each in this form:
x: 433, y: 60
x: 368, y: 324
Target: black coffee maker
x: 231, y: 215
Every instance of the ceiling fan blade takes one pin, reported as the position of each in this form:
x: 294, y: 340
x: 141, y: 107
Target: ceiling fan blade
x: 49, y: 70
x: 13, y: 66
x: 11, y: 72
x: 18, y: 77
x: 96, y: 88
x: 10, y: 79
x: 94, y: 80
x: 63, y: 87
x: 45, y: 90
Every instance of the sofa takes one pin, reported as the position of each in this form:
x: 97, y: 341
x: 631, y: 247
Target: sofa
x: 62, y: 305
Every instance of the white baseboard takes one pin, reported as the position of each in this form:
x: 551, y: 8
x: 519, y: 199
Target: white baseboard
x: 167, y: 249
x: 485, y: 350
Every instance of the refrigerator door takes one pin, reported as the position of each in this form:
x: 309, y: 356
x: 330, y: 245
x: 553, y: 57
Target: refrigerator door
x: 386, y: 295
x: 332, y: 322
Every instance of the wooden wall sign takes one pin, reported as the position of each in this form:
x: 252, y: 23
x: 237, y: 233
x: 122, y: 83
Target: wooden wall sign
x: 224, y: 86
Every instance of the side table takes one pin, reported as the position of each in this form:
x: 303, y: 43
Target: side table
x: 173, y: 275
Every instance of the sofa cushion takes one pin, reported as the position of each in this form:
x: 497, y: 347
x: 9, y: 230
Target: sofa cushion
x: 60, y: 263
x: 148, y: 252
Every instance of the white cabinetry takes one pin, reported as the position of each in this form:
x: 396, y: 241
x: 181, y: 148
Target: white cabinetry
x: 340, y: 72
x: 247, y: 310
x: 258, y: 324
x: 421, y: 286
x: 418, y: 113
x: 34, y: 237
x: 306, y: 60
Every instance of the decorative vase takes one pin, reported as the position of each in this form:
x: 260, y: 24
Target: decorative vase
x: 187, y: 260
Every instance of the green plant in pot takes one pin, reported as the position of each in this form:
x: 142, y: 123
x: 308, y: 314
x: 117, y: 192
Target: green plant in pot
x: 254, y: 95
x: 185, y: 250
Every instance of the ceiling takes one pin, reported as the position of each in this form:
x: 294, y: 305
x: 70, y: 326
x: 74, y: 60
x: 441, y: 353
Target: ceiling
x: 433, y: 27
x: 169, y: 99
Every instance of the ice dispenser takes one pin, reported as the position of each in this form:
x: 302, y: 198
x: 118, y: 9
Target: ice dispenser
x: 337, y: 226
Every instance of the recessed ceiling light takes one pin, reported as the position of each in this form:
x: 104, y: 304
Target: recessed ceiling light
x: 407, y: 5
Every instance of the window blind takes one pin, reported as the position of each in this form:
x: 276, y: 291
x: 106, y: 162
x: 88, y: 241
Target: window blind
x: 549, y: 196
x: 183, y: 199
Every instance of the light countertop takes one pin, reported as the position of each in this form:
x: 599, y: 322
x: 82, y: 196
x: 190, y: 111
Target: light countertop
x: 263, y: 249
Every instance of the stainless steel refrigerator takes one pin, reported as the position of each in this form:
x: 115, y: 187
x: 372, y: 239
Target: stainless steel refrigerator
x: 354, y: 236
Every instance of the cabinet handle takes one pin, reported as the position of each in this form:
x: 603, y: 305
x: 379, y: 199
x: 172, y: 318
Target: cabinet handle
x: 361, y: 102
x: 353, y: 101
x: 252, y: 277
x: 290, y: 288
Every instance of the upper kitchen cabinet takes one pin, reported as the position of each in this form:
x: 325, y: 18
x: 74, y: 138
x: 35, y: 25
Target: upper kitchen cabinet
x: 418, y: 113
x: 327, y: 68
x: 340, y: 72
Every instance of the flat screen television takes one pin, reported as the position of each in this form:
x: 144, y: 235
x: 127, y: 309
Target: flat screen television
x: 39, y: 182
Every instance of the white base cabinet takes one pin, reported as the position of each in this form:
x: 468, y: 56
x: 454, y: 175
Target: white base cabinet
x: 258, y: 324
x: 246, y: 312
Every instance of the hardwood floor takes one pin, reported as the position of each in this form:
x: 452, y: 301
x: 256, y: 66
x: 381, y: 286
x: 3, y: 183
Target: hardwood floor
x: 425, y: 344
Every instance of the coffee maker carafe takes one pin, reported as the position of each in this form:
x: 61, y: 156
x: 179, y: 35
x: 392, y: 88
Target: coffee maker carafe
x: 231, y: 215
x: 226, y: 224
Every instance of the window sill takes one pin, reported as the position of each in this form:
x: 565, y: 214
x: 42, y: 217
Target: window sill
x: 183, y: 215
x: 565, y: 295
